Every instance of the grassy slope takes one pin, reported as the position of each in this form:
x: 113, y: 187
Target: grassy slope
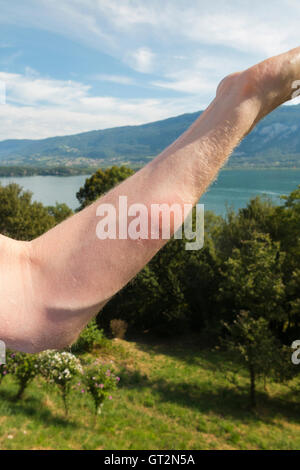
x: 171, y: 396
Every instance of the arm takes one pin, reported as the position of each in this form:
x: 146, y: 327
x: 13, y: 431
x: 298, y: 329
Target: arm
x: 73, y: 273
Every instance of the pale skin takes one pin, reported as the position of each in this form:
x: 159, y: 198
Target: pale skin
x: 52, y: 286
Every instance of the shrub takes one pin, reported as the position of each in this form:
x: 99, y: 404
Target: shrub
x: 118, y: 328
x: 24, y: 367
x: 60, y: 368
x: 90, y: 337
x: 3, y: 372
x: 100, y: 380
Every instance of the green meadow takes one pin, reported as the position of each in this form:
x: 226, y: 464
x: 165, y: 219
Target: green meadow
x: 172, y: 395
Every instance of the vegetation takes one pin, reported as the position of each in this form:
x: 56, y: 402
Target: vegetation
x: 89, y: 339
x: 171, y: 395
x: 101, y: 182
x: 59, y: 368
x: 99, y: 381
x: 24, y: 368
x: 24, y: 219
x: 245, y: 276
x: 118, y: 328
x: 255, y: 344
x: 224, y: 380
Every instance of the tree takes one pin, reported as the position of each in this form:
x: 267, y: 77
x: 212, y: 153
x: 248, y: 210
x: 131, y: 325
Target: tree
x: 60, y: 212
x: 20, y: 218
x: 101, y: 182
x: 24, y: 219
x: 258, y: 216
x: 24, y: 368
x: 256, y: 346
x: 252, y: 279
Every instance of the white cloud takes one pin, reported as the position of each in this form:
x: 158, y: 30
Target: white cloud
x: 190, y: 45
x: 122, y: 80
x: 30, y: 89
x: 168, y: 38
x: 132, y: 27
x: 39, y: 108
x: 250, y: 27
x: 141, y: 60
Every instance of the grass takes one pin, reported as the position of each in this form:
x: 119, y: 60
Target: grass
x: 171, y: 396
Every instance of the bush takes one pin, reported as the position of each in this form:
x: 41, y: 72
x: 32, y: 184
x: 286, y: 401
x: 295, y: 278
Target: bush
x: 118, y: 328
x: 24, y: 367
x: 60, y: 368
x: 3, y: 372
x: 90, y: 337
x: 100, y: 380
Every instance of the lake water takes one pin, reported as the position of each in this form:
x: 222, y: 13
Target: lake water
x: 233, y: 187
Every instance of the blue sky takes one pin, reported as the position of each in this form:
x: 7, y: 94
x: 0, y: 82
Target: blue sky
x: 71, y: 66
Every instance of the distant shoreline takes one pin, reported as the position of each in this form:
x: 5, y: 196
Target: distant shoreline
x: 24, y: 171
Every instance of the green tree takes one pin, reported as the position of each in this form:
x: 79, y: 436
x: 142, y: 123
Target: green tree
x: 20, y: 218
x: 60, y: 212
x: 252, y: 279
x: 252, y: 339
x: 23, y: 367
x: 257, y: 216
x: 101, y: 182
x: 24, y: 219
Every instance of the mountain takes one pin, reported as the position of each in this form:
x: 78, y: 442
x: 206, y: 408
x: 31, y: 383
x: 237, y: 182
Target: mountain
x: 275, y: 142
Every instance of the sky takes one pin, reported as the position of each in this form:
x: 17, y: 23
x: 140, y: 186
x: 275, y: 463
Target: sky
x: 71, y: 66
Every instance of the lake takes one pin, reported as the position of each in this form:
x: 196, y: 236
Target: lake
x: 233, y: 187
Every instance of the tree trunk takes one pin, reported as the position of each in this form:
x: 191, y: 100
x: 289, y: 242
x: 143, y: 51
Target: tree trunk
x: 21, y: 391
x: 252, y: 387
x: 65, y: 400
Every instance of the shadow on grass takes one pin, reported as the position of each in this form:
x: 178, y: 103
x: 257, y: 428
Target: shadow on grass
x: 228, y: 402
x: 31, y: 407
x: 185, y: 349
x: 222, y: 400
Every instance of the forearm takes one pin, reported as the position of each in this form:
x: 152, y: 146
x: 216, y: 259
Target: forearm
x: 74, y: 270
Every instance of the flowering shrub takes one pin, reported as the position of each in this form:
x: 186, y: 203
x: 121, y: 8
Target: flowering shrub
x: 60, y: 368
x: 99, y: 380
x: 4, y: 368
x: 24, y: 367
x: 3, y: 372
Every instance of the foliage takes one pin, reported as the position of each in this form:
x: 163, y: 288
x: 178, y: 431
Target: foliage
x: 24, y: 219
x: 20, y: 218
x: 89, y: 338
x: 252, y: 277
x: 60, y: 368
x: 256, y: 346
x: 60, y: 212
x: 101, y: 182
x: 24, y: 367
x: 100, y: 381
